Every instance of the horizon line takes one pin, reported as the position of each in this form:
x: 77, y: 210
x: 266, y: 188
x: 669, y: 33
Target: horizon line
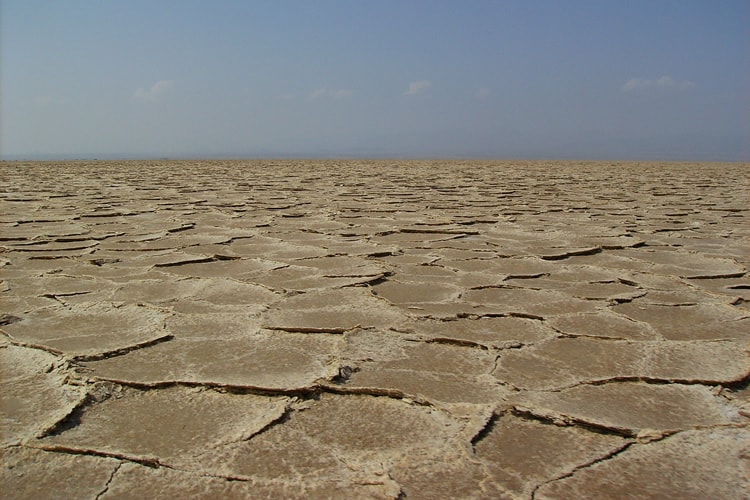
x: 300, y: 157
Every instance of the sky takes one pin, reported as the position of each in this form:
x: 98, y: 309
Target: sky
x: 536, y: 79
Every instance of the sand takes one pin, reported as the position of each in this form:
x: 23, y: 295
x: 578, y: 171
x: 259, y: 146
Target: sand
x: 375, y: 329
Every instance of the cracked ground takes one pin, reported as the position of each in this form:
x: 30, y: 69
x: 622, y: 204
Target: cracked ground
x: 375, y: 329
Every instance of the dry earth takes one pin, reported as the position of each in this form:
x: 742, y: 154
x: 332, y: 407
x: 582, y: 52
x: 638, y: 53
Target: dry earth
x: 355, y: 329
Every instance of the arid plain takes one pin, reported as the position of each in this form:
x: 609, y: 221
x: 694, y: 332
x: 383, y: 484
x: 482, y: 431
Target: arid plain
x: 375, y: 329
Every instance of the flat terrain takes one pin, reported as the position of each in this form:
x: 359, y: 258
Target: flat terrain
x: 374, y: 329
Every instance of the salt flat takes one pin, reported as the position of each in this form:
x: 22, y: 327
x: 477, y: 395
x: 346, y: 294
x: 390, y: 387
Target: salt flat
x: 375, y: 329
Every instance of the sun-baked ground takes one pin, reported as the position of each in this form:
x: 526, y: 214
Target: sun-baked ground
x: 384, y: 329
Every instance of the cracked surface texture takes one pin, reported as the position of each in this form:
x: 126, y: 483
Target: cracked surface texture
x: 374, y: 329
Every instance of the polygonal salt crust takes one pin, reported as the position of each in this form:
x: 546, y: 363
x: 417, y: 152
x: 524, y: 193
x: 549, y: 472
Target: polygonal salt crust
x: 222, y: 323
x: 688, y: 265
x: 449, y: 475
x: 410, y: 240
x: 301, y: 278
x: 57, y: 248
x: 430, y: 386
x: 498, y: 259
x: 611, y: 291
x: 521, y: 454
x: 528, y: 301
x: 483, y: 265
x: 343, y: 266
x: 22, y: 268
x: 265, y: 361
x: 333, y: 311
x: 358, y: 247
x: 30, y: 473
x: 171, y: 425
x: 602, y: 324
x: 676, y: 297
x: 630, y: 408
x: 612, y: 260
x: 690, y: 322
x: 398, y: 292
x: 568, y: 361
x: 34, y: 393
x: 207, y: 293
x: 274, y: 249
x: 379, y: 428
x: 239, y: 269
x: 442, y: 359
x: 524, y: 266
x: 89, y: 329
x: 32, y: 231
x: 135, y: 481
x: 426, y: 273
x: 63, y: 286
x: 733, y: 287
x: 564, y: 362
x: 711, y: 463
x: 491, y: 332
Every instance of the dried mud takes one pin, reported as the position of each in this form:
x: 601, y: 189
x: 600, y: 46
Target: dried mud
x: 375, y: 329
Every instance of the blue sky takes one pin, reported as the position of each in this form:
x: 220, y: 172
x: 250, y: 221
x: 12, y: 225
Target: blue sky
x: 598, y: 79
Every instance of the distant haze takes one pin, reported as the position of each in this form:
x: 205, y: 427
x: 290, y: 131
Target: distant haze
x: 595, y: 79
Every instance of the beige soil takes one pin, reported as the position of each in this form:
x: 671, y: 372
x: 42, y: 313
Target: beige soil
x: 374, y: 329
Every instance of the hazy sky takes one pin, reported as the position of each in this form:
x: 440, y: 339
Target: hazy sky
x: 597, y: 79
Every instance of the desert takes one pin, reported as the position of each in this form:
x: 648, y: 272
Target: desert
x: 375, y: 329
